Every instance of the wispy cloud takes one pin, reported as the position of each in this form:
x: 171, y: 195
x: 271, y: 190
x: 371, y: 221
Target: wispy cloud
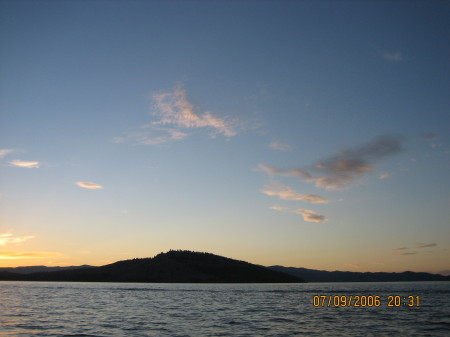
x: 408, y: 253
x: 152, y: 136
x: 286, y: 193
x: 5, y: 152
x: 384, y: 176
x: 401, y: 248
x: 425, y: 245
x: 342, y: 169
x: 174, y: 108
x: 404, y: 251
x: 434, y: 145
x: 27, y: 255
x: 429, y: 136
x: 175, y: 116
x: 10, y: 238
x: 310, y: 216
x: 339, y: 171
x: 278, y: 208
x: 25, y: 164
x: 276, y: 145
x: 297, y: 173
x: 391, y: 56
x: 89, y: 185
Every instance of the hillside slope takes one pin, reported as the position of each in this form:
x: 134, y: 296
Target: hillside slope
x: 173, y: 266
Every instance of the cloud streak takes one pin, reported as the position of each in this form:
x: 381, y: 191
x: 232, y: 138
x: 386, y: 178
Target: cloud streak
x: 384, y: 176
x: 408, y: 253
x: 153, y: 136
x: 286, y: 193
x: 24, y: 164
x: 407, y: 250
x: 426, y: 245
x: 5, y: 152
x: 341, y: 170
x: 297, y: 173
x: 400, y: 248
x: 310, y: 216
x: 89, y: 185
x: 276, y: 145
x: 10, y: 238
x: 307, y: 214
x: 278, y: 208
x: 429, y: 136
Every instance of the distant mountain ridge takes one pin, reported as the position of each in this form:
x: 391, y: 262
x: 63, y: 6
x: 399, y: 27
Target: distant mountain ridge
x: 312, y: 275
x: 193, y: 267
x: 173, y: 266
x: 39, y: 269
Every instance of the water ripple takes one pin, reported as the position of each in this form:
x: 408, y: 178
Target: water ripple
x: 184, y: 310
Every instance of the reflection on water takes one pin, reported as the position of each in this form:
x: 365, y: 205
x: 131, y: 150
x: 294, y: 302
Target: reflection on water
x: 115, y: 309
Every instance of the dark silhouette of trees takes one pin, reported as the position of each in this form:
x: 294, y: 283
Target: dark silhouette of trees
x: 177, y: 266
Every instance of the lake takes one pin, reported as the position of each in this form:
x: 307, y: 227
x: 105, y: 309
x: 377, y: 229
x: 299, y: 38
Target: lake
x: 130, y: 309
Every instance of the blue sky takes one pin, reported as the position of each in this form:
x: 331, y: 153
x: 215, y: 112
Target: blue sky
x: 300, y: 133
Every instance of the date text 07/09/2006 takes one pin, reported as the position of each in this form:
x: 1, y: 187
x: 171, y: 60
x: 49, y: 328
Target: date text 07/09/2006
x: 394, y: 301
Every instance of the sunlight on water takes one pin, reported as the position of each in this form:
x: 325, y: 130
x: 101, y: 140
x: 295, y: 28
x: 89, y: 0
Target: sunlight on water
x: 114, y: 309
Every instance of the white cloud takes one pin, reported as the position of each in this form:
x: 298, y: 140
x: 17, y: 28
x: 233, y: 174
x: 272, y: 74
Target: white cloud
x: 5, y: 152
x: 88, y: 185
x: 286, y: 193
x: 384, y: 176
x: 10, y: 238
x: 310, y: 216
x: 276, y: 145
x: 25, y: 164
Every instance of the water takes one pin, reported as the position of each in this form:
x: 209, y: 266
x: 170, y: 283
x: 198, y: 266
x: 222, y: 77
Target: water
x: 118, y: 309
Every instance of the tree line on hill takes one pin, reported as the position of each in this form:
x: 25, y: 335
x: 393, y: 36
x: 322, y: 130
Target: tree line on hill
x: 184, y: 266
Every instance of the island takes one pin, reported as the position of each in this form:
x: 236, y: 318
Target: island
x: 174, y: 266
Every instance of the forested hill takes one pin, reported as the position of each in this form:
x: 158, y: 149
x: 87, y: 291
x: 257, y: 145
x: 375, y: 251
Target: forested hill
x: 312, y: 275
x: 173, y: 266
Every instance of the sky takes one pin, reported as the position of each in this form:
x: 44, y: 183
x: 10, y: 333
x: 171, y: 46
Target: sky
x: 309, y: 134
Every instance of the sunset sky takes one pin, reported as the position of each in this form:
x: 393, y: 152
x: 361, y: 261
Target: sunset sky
x: 309, y: 134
